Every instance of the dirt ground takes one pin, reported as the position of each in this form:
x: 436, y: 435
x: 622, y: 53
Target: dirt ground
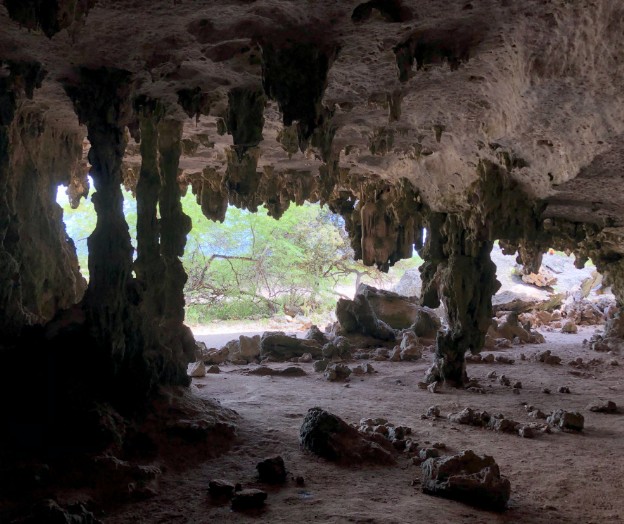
x: 558, y: 477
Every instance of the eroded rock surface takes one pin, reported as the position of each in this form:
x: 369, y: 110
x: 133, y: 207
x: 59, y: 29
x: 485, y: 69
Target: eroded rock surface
x: 468, y: 478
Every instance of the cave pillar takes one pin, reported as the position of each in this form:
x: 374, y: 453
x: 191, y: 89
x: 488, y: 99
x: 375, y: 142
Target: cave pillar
x: 465, y: 279
x: 174, y: 223
x: 149, y: 266
x: 101, y: 98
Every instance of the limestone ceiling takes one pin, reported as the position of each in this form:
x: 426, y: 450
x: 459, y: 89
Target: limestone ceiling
x: 417, y: 89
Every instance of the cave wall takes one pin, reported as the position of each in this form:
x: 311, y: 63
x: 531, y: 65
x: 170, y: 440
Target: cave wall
x: 39, y: 272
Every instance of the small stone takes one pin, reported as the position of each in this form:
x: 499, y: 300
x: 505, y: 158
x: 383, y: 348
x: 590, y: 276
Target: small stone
x: 248, y: 499
x: 492, y: 374
x: 422, y: 385
x: 523, y: 356
x: 502, y: 359
x: 546, y: 391
x: 538, y: 414
x: 567, y: 420
x: 433, y: 412
x: 488, y: 359
x: 569, y: 327
x: 439, y: 445
x: 197, y: 369
x: 320, y: 365
x: 517, y: 385
x: 433, y: 387
x: 526, y: 432
x: 299, y: 480
x: 272, y: 470
x: 427, y: 453
x: 336, y: 372
x: 564, y: 389
x: 219, y: 488
x: 614, y: 362
x: 608, y: 407
x: 213, y: 370
x: 306, y: 358
x: 504, y: 381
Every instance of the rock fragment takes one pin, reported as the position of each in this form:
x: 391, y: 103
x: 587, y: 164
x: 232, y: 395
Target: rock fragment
x: 467, y: 478
x: 330, y: 437
x: 221, y: 489
x: 272, y: 470
x: 248, y: 499
x: 606, y: 407
x: 197, y: 369
x: 567, y: 420
x: 337, y: 372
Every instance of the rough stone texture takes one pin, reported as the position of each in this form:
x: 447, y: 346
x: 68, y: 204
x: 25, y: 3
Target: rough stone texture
x: 279, y: 346
x: 330, y: 437
x: 248, y: 499
x: 357, y: 316
x: 395, y: 310
x: 272, y: 470
x: 567, y: 420
x: 468, y: 478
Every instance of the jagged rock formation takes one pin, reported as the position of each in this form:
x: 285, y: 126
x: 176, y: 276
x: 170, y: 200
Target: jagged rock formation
x: 476, y: 121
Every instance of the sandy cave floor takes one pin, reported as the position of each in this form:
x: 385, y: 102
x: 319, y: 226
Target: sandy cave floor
x: 558, y: 477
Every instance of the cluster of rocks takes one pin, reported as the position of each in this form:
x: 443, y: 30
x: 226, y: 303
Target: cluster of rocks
x: 465, y: 477
x: 489, y: 358
x: 270, y: 471
x: 498, y: 422
x: 613, y: 337
x: 382, y: 325
x: 506, y: 331
x: 330, y: 437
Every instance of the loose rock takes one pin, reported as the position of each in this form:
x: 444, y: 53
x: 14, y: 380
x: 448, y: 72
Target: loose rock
x: 330, y: 437
x: 468, y: 478
x: 567, y: 420
x: 272, y: 470
x: 248, y: 499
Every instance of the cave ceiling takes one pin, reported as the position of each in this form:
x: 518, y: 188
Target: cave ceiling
x: 419, y: 90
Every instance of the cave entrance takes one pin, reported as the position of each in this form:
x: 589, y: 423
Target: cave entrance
x: 254, y: 268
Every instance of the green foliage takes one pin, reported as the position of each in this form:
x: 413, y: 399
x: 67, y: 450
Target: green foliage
x: 253, y: 265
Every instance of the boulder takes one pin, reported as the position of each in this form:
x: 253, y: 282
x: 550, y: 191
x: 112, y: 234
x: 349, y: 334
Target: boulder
x: 357, y: 316
x: 314, y: 333
x: 279, y: 346
x: 196, y: 369
x: 567, y: 420
x: 330, y: 437
x: 410, y: 348
x: 467, y: 478
x: 272, y: 470
x: 427, y: 323
x: 219, y: 488
x: 320, y: 365
x: 335, y: 372
x: 569, y: 327
x: 249, y: 347
x: 606, y: 407
x: 215, y: 356
x: 410, y: 284
x: 397, y: 311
